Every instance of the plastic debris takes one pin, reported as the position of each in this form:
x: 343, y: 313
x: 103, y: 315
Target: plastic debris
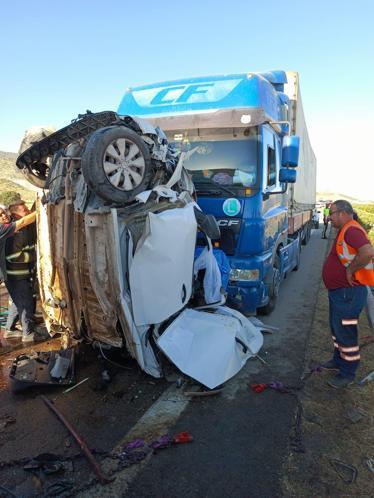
x: 258, y: 388
x: 162, y: 442
x: 182, y: 437
x: 165, y: 441
x: 137, y: 443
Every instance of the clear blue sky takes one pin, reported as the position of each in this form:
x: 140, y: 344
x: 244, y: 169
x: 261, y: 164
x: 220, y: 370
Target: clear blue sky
x: 60, y: 58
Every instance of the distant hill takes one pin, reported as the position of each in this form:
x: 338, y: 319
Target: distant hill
x: 12, y: 179
x: 333, y: 196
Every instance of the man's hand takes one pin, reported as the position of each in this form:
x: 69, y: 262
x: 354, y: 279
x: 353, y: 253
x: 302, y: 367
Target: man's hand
x: 350, y: 277
x: 364, y: 255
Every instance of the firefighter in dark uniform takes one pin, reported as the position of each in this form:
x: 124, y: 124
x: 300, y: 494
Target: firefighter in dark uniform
x: 20, y: 256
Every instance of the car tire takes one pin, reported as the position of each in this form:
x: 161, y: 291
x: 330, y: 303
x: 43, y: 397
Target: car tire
x: 116, y: 164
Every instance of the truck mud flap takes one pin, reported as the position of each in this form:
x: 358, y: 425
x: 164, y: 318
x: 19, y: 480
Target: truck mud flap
x: 51, y: 368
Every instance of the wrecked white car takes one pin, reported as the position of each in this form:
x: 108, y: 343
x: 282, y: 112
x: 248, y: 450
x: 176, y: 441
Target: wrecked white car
x: 117, y: 234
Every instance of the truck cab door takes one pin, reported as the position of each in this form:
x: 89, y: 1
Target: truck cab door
x: 274, y: 206
x: 271, y: 160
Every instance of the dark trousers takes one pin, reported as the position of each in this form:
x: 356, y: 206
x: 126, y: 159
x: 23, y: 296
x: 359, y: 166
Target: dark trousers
x: 12, y: 317
x: 21, y: 293
x: 325, y: 227
x: 345, y: 307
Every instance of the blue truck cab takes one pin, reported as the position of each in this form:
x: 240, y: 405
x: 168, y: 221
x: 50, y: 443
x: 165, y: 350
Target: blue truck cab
x: 241, y: 133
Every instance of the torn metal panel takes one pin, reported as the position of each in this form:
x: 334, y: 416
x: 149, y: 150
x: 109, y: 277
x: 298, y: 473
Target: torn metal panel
x: 162, y: 267
x: 210, y: 347
x: 48, y: 368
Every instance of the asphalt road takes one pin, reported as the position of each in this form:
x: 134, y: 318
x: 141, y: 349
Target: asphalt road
x: 241, y: 438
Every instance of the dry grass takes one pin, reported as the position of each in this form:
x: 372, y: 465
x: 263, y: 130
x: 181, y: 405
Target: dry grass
x: 327, y: 431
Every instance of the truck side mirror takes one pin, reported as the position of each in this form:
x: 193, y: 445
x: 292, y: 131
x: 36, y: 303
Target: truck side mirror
x: 290, y: 151
x: 287, y: 175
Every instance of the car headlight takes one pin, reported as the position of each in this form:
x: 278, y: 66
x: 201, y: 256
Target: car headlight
x: 245, y: 275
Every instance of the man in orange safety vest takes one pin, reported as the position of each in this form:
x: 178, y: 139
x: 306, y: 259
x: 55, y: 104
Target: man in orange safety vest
x: 347, y: 272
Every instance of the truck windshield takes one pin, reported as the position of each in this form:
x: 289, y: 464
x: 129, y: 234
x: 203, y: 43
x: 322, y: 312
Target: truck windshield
x: 230, y: 163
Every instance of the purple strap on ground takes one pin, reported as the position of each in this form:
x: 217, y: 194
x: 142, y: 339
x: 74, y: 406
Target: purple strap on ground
x: 162, y: 442
x: 137, y: 443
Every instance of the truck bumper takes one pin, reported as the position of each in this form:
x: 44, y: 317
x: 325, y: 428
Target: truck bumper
x: 247, y: 297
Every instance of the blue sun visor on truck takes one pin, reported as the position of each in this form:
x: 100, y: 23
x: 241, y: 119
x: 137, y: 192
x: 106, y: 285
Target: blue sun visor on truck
x: 230, y: 100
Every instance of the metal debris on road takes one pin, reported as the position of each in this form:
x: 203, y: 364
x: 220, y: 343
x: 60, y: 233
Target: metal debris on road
x: 368, y: 378
x: 261, y: 359
x: 76, y: 385
x: 297, y: 441
x: 3, y: 488
x: 62, y: 488
x: 87, y: 452
x: 370, y: 464
x: 354, y: 415
x: 49, y: 463
x: 5, y: 421
x: 348, y: 473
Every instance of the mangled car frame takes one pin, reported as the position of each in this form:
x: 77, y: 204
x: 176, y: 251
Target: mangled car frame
x: 117, y: 236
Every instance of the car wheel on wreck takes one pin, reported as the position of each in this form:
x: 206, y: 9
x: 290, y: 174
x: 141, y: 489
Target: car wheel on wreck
x: 116, y: 164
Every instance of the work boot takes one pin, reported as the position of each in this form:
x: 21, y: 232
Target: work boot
x: 340, y: 382
x: 12, y: 333
x: 28, y: 337
x: 330, y: 365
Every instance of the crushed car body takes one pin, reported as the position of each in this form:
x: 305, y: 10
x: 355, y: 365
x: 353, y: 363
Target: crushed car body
x: 117, y: 261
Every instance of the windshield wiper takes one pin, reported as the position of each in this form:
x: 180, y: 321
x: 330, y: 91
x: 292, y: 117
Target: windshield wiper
x: 216, y: 189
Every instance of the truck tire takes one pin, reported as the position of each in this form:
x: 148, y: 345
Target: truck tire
x: 274, y: 289
x: 307, y: 233
x: 296, y: 267
x: 116, y: 164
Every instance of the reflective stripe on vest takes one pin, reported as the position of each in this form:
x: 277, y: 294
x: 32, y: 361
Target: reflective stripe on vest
x: 18, y: 272
x: 346, y: 254
x: 25, y: 250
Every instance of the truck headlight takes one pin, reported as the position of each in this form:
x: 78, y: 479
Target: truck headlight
x: 236, y: 275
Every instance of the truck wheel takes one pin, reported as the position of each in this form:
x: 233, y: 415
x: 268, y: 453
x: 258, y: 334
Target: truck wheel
x: 296, y: 267
x: 307, y: 235
x: 273, y: 290
x: 116, y: 164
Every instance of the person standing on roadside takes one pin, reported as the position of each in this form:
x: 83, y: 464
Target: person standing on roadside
x: 17, y: 261
x: 347, y: 271
x: 326, y: 213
